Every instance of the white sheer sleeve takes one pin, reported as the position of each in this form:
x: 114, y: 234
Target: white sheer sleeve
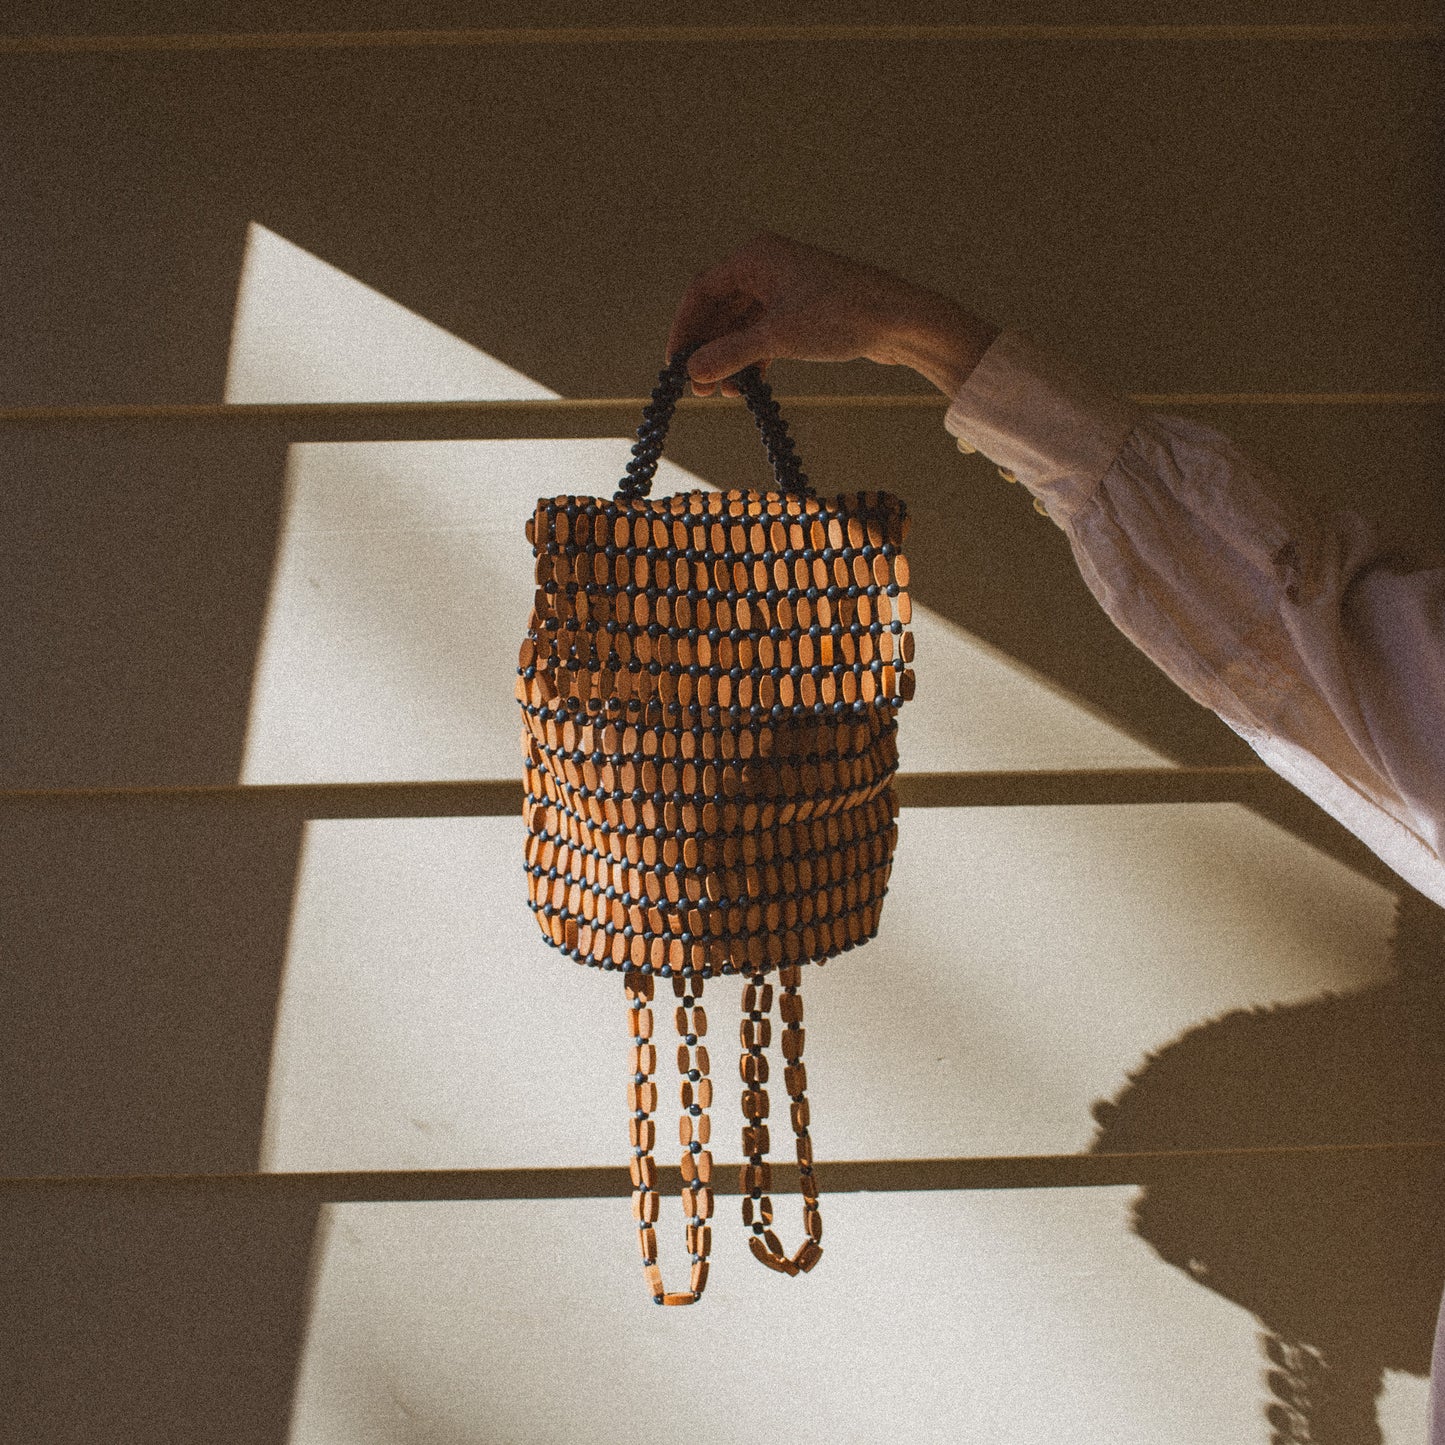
x: 1323, y: 652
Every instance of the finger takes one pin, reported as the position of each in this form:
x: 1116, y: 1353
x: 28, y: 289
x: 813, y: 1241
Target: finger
x: 729, y: 354
x: 707, y: 307
x: 731, y: 387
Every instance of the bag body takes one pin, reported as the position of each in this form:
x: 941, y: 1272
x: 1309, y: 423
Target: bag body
x: 709, y: 684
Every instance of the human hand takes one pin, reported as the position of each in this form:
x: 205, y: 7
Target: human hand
x: 775, y: 297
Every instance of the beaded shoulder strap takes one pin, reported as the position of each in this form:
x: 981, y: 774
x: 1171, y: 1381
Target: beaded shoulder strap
x: 695, y: 1127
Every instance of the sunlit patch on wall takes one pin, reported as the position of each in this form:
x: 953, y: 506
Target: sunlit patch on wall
x: 402, y: 586
x: 979, y: 709
x: 1028, y: 960
x: 306, y: 331
x: 1022, y: 1316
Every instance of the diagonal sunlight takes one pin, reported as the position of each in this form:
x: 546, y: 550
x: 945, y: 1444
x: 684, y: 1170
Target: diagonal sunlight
x: 306, y: 331
x: 402, y: 583
x: 1028, y: 957
x: 401, y: 588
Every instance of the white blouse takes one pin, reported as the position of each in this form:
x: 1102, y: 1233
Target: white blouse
x: 1317, y: 647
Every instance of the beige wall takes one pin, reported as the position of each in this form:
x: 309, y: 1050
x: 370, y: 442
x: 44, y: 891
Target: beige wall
x: 231, y: 986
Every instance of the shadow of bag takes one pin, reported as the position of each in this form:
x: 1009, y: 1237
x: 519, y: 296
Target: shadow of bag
x: 709, y: 685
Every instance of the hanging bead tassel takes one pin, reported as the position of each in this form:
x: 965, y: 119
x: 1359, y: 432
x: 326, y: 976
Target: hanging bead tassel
x: 757, y: 1174
x: 694, y: 1130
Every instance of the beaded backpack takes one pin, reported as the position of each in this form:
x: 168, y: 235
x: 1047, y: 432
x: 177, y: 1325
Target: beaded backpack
x: 709, y: 685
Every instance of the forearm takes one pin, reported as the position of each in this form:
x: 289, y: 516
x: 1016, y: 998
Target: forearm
x: 937, y: 338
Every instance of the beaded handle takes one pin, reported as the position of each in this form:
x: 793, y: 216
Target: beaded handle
x: 757, y: 1173
x: 657, y: 416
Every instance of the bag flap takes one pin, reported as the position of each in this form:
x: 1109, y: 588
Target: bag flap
x: 745, y: 605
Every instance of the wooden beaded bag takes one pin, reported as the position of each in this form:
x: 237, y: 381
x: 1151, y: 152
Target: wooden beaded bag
x: 709, y: 684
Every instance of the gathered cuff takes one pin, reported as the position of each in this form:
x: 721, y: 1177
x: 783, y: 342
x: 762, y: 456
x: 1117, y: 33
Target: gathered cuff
x: 1041, y: 420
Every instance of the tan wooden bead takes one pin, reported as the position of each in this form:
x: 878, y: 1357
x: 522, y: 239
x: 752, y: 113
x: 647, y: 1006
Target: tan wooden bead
x: 759, y: 997
x: 698, y: 1277
x: 647, y: 1244
x: 756, y: 1033
x: 755, y: 1139
x: 782, y: 1264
